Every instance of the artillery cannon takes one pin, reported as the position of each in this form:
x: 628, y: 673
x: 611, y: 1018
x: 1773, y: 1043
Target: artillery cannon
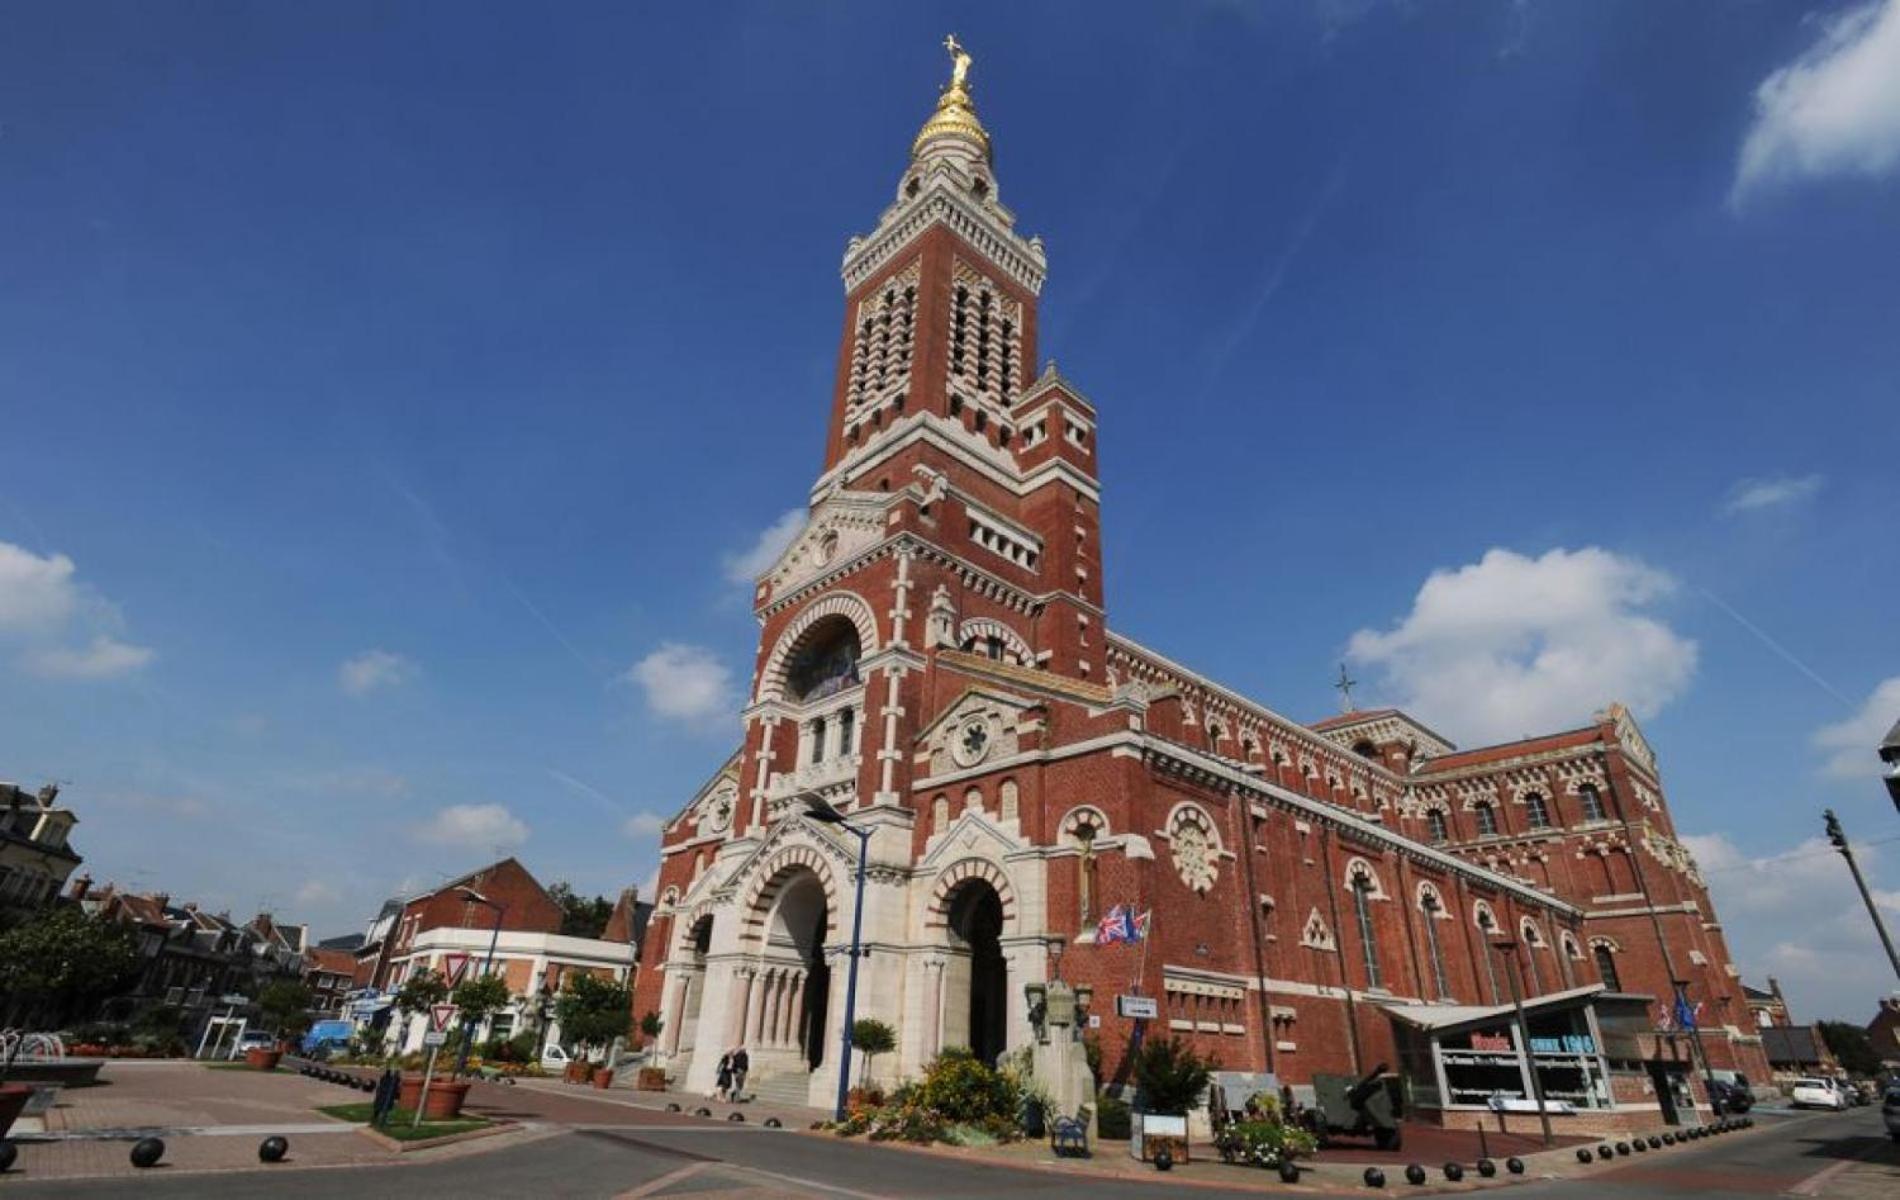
x: 1367, y: 1107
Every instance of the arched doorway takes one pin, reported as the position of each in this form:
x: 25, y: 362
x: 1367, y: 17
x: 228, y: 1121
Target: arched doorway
x: 793, y: 1017
x: 977, y: 970
x: 698, y: 942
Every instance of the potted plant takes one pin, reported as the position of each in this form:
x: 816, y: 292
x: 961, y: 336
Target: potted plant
x: 1172, y: 1078
x: 651, y: 1079
x: 285, y: 1005
x: 870, y: 1037
x: 593, y: 1012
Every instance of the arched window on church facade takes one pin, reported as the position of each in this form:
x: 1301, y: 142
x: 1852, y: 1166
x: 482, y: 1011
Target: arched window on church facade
x: 1436, y: 824
x: 1487, y: 815
x: 1536, y: 811
x: 1434, y: 910
x: 1591, y: 802
x: 1605, y: 955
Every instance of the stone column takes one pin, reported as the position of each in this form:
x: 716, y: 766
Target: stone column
x: 755, y: 1010
x: 795, y: 1011
x: 933, y: 1007
x: 676, y: 1009
x: 735, y: 1026
x: 773, y: 1003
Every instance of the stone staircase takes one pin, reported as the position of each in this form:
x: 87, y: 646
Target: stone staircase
x: 787, y: 1089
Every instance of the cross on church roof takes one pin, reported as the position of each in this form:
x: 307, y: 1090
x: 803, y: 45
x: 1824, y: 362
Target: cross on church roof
x: 1344, y: 687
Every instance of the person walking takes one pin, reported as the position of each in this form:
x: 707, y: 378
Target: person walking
x: 725, y: 1076
x: 741, y: 1063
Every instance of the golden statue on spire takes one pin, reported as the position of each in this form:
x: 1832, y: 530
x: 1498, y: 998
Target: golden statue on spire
x: 959, y: 62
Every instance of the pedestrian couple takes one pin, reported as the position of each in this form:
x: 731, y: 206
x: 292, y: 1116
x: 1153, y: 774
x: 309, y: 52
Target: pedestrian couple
x: 733, y: 1066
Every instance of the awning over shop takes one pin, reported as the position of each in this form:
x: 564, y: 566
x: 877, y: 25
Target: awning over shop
x: 1449, y: 1018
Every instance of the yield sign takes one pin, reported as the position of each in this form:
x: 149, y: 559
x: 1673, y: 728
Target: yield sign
x: 454, y: 966
x: 440, y: 1015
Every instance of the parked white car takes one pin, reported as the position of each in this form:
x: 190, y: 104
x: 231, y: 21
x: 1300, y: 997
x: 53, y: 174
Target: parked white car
x: 1818, y: 1093
x: 554, y: 1059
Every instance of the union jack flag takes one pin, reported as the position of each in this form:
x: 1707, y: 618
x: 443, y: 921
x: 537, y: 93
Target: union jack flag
x: 1122, y: 924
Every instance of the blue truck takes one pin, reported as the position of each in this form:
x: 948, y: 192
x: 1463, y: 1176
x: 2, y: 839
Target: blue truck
x: 325, y: 1036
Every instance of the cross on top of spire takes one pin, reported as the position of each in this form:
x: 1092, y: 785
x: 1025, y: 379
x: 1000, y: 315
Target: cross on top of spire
x: 1344, y: 688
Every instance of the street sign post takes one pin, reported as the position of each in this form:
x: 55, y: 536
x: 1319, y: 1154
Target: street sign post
x: 439, y: 1017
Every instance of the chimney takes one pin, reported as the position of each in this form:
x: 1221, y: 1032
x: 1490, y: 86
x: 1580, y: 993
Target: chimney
x: 81, y: 885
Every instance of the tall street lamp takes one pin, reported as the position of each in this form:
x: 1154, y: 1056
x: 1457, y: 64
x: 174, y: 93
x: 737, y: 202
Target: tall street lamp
x: 468, y: 1026
x: 822, y: 812
x: 1507, y: 947
x: 1838, y: 837
x: 1890, y: 755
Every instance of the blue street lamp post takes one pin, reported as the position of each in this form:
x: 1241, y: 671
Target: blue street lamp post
x: 825, y: 814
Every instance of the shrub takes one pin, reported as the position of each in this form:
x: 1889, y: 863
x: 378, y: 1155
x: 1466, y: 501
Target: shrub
x: 1111, y: 1118
x: 964, y: 1090
x: 1172, y: 1075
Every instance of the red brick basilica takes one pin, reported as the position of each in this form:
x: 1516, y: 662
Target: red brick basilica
x: 936, y: 662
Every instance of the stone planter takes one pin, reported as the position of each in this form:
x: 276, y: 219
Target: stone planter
x: 650, y: 1079
x: 261, y: 1059
x: 445, y: 1100
x: 13, y: 1098
x: 603, y: 1078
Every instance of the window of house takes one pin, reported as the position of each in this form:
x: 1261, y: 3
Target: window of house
x: 1487, y: 925
x: 1592, y: 802
x: 847, y: 731
x: 818, y: 741
x: 1435, y: 822
x: 1536, y: 811
x: 1487, y: 819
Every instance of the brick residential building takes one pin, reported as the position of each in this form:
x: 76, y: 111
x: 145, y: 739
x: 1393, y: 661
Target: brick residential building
x: 35, y: 855
x: 936, y: 661
x: 530, y: 952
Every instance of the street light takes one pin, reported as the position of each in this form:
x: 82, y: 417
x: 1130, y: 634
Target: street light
x: 1838, y: 837
x: 468, y: 1026
x: 1507, y: 946
x: 1890, y: 754
x: 823, y: 813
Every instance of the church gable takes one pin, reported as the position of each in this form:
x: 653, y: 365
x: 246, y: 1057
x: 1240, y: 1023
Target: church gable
x: 713, y: 808
x: 843, y: 526
x: 980, y: 726
x: 1629, y: 736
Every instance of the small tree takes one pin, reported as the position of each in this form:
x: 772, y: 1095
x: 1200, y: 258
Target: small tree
x: 871, y: 1037
x: 593, y: 1011
x: 1852, y: 1046
x: 652, y: 1024
x: 60, y: 963
x: 286, y: 1006
x: 481, y: 997
x: 1172, y: 1075
x: 581, y: 916
x: 421, y: 992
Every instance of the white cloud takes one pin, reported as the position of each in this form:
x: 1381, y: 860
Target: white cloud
x: 1796, y: 914
x: 746, y: 567
x: 1771, y: 492
x: 37, y: 595
x: 103, y: 658
x: 1850, y: 745
x: 42, y: 605
x: 364, y: 673
x: 1511, y: 645
x: 316, y: 892
x: 474, y: 826
x: 684, y: 683
x: 641, y: 826
x: 1834, y: 110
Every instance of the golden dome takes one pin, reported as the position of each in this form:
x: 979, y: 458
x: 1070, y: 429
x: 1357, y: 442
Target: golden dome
x: 955, y: 116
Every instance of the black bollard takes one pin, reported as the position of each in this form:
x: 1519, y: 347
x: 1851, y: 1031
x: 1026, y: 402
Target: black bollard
x: 1623, y: 1149
x: 1655, y: 1143
x: 1638, y: 1145
x: 672, y: 1108
x: 1374, y: 1177
x: 774, y: 1123
x: 1514, y: 1165
x: 147, y: 1151
x: 1454, y: 1172
x: 1289, y: 1171
x: 1164, y: 1161
x: 702, y: 1111
x: 1583, y: 1154
x: 736, y: 1116
x: 272, y: 1149
x: 1415, y: 1175
x: 1669, y: 1139
x: 1605, y: 1154
x: 1487, y: 1168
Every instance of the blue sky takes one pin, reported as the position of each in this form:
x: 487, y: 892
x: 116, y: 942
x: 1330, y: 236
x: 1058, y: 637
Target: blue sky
x: 395, y: 395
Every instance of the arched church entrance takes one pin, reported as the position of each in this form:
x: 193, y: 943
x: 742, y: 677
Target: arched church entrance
x: 976, y: 977
x: 792, y: 1007
x: 698, y: 942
